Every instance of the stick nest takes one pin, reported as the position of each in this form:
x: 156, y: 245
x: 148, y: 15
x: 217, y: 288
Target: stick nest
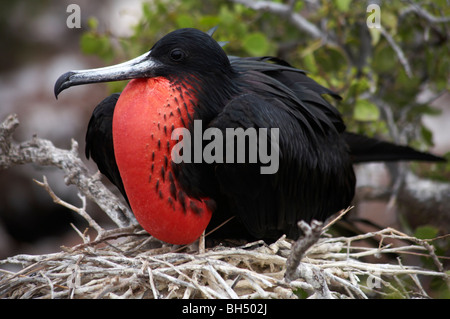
x: 128, y: 263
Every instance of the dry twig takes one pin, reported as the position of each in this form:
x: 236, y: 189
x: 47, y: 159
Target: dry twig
x: 43, y: 152
x: 311, y: 234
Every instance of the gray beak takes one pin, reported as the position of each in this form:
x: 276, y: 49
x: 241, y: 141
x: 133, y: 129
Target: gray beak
x: 139, y: 67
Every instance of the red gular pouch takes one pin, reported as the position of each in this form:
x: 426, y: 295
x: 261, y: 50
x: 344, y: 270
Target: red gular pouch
x: 146, y: 113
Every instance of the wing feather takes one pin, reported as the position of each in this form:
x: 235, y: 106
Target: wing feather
x: 99, y: 141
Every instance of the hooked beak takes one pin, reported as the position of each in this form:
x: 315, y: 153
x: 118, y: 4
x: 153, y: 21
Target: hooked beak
x: 140, y: 67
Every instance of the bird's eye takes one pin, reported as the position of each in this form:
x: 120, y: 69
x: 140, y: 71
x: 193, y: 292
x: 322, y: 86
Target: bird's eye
x: 177, y: 55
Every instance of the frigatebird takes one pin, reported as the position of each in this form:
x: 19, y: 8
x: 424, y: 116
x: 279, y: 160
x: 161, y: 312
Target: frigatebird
x: 186, y: 77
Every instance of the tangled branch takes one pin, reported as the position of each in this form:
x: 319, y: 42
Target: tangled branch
x: 43, y: 152
x: 286, y: 11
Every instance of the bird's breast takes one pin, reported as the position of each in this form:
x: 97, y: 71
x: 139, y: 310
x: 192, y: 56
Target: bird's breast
x: 146, y: 113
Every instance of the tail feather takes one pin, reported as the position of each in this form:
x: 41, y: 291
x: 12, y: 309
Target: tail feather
x: 366, y: 149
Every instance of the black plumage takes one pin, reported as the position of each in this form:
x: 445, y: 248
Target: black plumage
x: 315, y: 177
x: 99, y: 141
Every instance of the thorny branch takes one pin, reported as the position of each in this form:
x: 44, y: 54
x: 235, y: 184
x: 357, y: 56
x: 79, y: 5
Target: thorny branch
x: 414, y: 8
x: 311, y: 234
x: 285, y: 11
x: 43, y: 152
x: 81, y: 211
x: 400, y: 54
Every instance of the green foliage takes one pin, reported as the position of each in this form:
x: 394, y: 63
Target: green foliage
x: 256, y: 44
x: 300, y: 293
x: 441, y: 248
x: 365, y: 111
x: 93, y: 42
x: 343, y: 5
x: 360, y: 64
x: 426, y: 232
x: 436, y: 171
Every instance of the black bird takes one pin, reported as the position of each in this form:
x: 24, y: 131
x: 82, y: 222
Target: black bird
x: 187, y: 76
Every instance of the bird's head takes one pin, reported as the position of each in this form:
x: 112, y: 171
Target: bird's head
x: 182, y: 52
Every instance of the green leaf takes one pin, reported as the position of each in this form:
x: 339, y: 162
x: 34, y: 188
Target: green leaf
x: 426, y: 232
x: 99, y: 45
x: 226, y: 16
x: 256, y: 44
x: 299, y: 6
x: 184, y: 21
x: 92, y: 23
x: 375, y: 35
x: 366, y: 111
x: 310, y: 64
x: 300, y: 293
x: 89, y: 43
x: 314, y: 46
x: 209, y: 21
x: 343, y: 5
x: 384, y: 59
x: 147, y: 12
x: 389, y: 21
x: 427, y: 135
